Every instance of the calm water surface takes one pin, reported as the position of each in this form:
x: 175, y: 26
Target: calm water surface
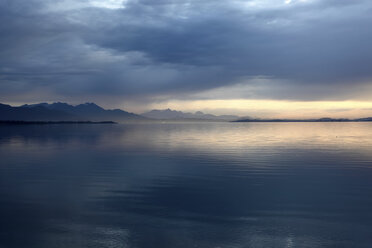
x: 186, y: 185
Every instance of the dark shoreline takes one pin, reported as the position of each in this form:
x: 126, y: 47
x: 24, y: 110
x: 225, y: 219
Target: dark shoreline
x: 53, y: 122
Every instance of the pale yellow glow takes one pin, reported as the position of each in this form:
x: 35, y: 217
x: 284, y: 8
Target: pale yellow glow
x: 272, y: 108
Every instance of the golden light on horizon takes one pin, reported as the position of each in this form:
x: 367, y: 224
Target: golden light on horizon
x: 272, y: 108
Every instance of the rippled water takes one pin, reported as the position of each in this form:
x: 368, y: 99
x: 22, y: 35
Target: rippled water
x: 186, y: 185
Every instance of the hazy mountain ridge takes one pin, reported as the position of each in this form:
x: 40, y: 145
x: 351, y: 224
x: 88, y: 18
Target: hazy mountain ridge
x: 168, y: 114
x: 64, y: 112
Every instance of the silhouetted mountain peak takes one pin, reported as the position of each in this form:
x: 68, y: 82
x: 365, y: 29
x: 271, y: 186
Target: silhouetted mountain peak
x: 91, y: 104
x: 168, y: 110
x: 34, y: 105
x: 89, y: 107
x: 4, y: 105
x: 61, y: 104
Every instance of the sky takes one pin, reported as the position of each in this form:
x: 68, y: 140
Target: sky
x: 261, y: 58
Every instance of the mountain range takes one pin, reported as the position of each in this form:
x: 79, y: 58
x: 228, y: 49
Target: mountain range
x: 64, y: 112
x: 60, y: 111
x: 90, y: 112
x: 168, y: 114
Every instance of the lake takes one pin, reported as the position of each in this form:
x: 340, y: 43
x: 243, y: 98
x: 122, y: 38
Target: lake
x: 186, y: 185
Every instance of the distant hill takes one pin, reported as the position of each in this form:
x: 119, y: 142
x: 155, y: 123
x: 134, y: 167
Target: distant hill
x: 64, y: 112
x: 168, y: 114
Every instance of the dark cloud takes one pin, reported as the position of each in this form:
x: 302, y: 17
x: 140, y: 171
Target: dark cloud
x: 308, y: 50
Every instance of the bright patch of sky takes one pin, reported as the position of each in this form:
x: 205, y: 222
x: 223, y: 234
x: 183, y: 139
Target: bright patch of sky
x: 269, y: 4
x: 109, y: 4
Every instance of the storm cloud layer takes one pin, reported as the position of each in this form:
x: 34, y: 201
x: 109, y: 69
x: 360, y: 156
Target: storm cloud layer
x: 143, y: 49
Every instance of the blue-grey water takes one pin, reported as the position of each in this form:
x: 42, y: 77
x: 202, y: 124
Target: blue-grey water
x: 186, y: 185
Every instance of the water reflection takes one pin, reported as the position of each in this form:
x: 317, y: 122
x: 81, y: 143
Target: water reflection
x: 186, y: 185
